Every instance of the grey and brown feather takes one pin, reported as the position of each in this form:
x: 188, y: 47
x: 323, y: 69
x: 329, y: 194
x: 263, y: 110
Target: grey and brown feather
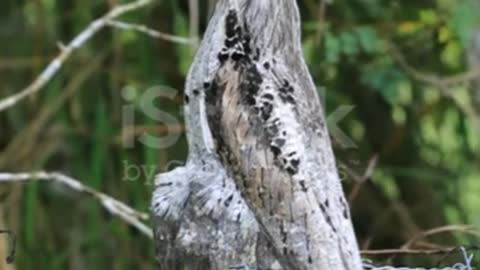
x: 268, y: 130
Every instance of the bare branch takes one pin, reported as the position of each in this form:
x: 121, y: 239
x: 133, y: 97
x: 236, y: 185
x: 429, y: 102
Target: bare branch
x: 361, y: 179
x: 407, y: 251
x: 467, y: 229
x: 66, y: 51
x: 150, y: 32
x: 322, y: 8
x: 467, y: 265
x: 115, y: 207
x: 443, y: 83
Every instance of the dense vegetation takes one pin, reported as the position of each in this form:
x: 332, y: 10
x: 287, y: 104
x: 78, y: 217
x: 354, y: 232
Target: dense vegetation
x: 386, y: 66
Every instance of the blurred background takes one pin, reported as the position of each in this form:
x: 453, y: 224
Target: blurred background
x: 400, y: 79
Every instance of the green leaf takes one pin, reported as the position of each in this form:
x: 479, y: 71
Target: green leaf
x: 452, y: 54
x: 465, y: 19
x: 385, y: 78
x: 332, y: 48
x: 428, y: 17
x: 367, y: 38
x: 349, y: 43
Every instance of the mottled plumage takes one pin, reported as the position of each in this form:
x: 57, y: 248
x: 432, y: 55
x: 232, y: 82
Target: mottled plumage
x: 199, y: 215
x: 267, y: 126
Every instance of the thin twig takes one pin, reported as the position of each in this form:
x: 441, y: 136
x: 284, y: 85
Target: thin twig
x: 444, y: 84
x: 467, y: 265
x: 322, y: 10
x: 150, y: 32
x: 66, y: 51
x: 407, y: 251
x: 115, y: 207
x: 441, y: 82
x: 360, y: 180
x: 468, y: 229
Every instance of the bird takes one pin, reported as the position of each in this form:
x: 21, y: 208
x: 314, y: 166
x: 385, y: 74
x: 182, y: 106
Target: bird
x: 269, y: 131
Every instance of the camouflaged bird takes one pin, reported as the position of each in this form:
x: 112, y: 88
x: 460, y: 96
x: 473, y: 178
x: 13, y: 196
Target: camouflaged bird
x: 267, y: 126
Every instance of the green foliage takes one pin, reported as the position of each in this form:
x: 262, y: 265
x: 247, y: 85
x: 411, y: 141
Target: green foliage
x: 465, y: 20
x: 383, y: 76
x: 368, y: 39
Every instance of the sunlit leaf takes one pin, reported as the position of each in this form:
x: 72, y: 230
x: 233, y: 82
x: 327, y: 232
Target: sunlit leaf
x: 408, y: 27
x: 428, y: 17
x: 452, y: 54
x: 444, y: 34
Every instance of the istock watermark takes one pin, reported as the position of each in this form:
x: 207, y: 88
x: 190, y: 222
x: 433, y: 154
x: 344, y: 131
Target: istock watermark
x: 135, y: 172
x: 144, y: 103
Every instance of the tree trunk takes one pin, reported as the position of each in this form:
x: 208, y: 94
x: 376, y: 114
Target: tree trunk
x: 201, y: 219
